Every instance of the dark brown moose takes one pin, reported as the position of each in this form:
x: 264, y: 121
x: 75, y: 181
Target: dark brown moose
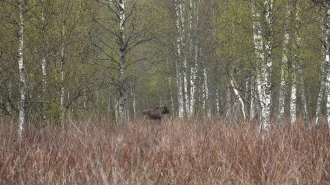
x: 156, y: 113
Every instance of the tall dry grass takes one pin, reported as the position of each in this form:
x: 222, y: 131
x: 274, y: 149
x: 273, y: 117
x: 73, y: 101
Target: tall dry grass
x: 174, y: 152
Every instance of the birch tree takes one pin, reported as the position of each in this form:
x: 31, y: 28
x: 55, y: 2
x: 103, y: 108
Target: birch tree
x: 206, y: 94
x: 325, y: 77
x: 194, y: 48
x: 327, y: 56
x: 123, y: 29
x: 64, y: 17
x: 293, y: 95
x: 284, y: 63
x: 239, y: 97
x: 122, y: 58
x: 263, y: 50
x: 297, y: 48
x: 180, y: 56
x: 21, y: 118
x: 187, y: 52
x: 43, y: 63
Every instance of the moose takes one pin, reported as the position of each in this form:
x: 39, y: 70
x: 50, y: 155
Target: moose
x: 156, y: 113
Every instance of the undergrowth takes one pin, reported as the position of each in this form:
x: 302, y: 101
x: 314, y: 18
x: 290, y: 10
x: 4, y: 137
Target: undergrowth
x: 173, y: 152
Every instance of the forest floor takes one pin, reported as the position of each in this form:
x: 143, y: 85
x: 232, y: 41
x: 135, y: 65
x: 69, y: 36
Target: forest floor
x: 173, y: 152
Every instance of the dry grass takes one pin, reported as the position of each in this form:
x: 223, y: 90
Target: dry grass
x: 174, y: 152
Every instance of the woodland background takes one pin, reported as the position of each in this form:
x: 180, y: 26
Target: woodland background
x: 75, y: 76
x: 83, y: 58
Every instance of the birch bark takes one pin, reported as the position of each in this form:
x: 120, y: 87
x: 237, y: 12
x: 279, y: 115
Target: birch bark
x: 217, y: 99
x: 170, y: 87
x: 43, y: 65
x: 266, y: 69
x: 22, y: 85
x: 178, y: 9
x: 240, y: 99
x: 258, y: 48
x: 325, y: 69
x: 264, y: 59
x: 122, y: 56
x: 284, y: 65
x: 206, y: 92
x: 327, y: 57
x: 293, y: 97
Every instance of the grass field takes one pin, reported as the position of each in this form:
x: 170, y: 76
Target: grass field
x: 174, y: 152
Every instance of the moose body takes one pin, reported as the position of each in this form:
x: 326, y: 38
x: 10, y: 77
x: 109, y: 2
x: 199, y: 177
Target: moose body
x: 156, y: 113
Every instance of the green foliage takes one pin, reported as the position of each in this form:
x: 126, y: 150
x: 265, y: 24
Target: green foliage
x: 54, y: 112
x: 225, y: 44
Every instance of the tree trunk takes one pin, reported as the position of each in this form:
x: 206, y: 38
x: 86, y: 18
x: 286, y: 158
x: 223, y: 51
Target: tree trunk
x: 180, y: 91
x: 299, y: 70
x: 293, y: 97
x: 264, y: 56
x: 254, y: 103
x: 170, y: 88
x: 134, y: 102
x: 192, y: 67
x: 303, y: 97
x: 217, y: 99
x: 325, y: 70
x: 22, y: 85
x: 184, y: 57
x: 266, y: 69
x: 122, y: 56
x: 239, y: 97
x: 43, y: 65
x: 284, y: 64
x: 258, y: 48
x: 327, y: 57
x: 206, y: 106
x: 62, y: 92
x: 178, y: 10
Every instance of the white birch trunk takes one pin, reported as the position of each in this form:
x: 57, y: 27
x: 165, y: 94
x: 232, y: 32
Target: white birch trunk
x: 319, y: 100
x: 237, y: 94
x: 217, y: 99
x: 264, y: 57
x: 206, y: 106
x: 267, y: 68
x: 284, y: 66
x: 180, y: 92
x: 194, y: 48
x: 21, y: 118
x: 293, y: 104
x: 258, y: 48
x: 179, y: 56
x: 184, y: 57
x: 43, y: 66
x: 185, y: 86
x: 122, y: 52
x: 327, y: 57
x: 170, y: 88
x: 254, y: 104
x: 303, y: 97
x: 325, y: 71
